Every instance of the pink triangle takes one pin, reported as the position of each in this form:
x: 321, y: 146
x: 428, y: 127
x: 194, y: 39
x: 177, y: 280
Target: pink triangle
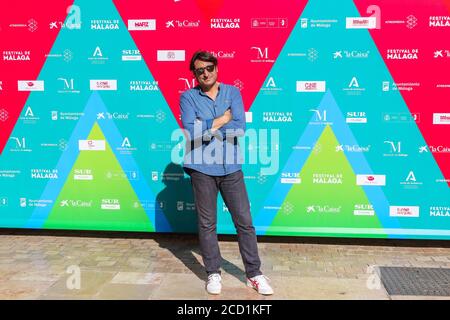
x: 234, y: 42
x: 427, y: 98
x: 36, y: 37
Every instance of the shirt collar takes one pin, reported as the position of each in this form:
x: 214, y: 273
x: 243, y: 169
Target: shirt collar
x: 204, y: 94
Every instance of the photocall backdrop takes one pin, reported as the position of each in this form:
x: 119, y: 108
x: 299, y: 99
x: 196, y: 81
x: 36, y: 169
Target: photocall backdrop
x: 347, y: 111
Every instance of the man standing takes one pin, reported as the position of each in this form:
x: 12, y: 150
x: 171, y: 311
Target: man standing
x: 213, y: 116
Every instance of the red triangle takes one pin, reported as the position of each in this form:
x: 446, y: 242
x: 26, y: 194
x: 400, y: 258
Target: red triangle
x: 36, y: 37
x: 426, y: 70
x: 236, y: 42
x: 210, y: 8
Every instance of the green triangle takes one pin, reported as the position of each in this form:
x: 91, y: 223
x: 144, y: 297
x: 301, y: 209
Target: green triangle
x: 327, y: 197
x: 108, y: 202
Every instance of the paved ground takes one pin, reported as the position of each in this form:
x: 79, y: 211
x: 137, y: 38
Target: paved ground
x: 169, y: 267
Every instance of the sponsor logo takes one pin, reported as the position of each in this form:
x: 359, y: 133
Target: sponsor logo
x: 370, y: 180
x: 402, y: 54
x: 29, y: 117
x: 439, y: 149
x: 262, y: 55
x: 83, y: 174
x: 327, y: 178
x: 386, y: 86
x: 126, y: 147
x: 110, y: 204
x: 363, y: 210
x: 20, y: 145
x: 411, y: 181
x: 41, y: 203
x: 351, y: 148
x: 68, y: 86
x: 353, y: 87
x: 103, y: 85
x: 171, y: 55
x: 320, y: 117
x: 361, y: 23
x: 317, y: 23
x: 353, y: 54
x: 113, y: 116
x: 270, y: 87
x: 16, y: 55
x: 105, y: 24
x: 311, y: 86
x: 291, y: 178
x: 395, y: 149
x: 323, y: 209
x: 238, y: 84
x: 131, y: 55
x: 144, y: 86
x: 223, y: 54
x: 44, y: 173
x: 409, y: 211
x: 97, y: 56
x: 66, y: 55
x: 91, y: 145
x: 30, y: 85
x: 3, y: 115
x: 439, y: 21
x: 441, y: 54
x: 410, y: 22
x: 439, y: 211
x: 74, y: 116
x: 31, y: 25
x: 272, y: 23
x: 9, y: 174
x: 187, y: 84
x: 356, y: 117
x: 441, y: 118
x: 401, y: 117
x: 76, y: 203
x: 122, y: 175
x: 225, y: 23
x: 183, y: 24
x: 142, y: 25
x: 277, y: 116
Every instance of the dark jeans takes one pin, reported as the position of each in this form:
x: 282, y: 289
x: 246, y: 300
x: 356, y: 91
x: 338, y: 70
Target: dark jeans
x: 234, y: 194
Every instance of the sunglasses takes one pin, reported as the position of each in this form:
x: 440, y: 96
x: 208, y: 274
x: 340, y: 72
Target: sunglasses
x: 198, y: 72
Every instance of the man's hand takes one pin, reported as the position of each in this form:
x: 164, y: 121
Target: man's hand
x: 219, y: 122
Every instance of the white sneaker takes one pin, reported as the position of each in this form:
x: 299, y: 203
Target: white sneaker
x: 260, y: 283
x: 214, y: 285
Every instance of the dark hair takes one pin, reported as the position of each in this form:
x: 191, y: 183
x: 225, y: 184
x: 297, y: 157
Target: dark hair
x: 202, y: 56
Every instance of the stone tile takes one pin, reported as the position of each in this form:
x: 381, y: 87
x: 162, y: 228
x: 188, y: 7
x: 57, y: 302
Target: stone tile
x: 137, y: 278
x: 114, y: 291
x: 180, y: 287
x: 16, y: 290
x: 419, y: 298
x: 91, y: 284
x: 333, y: 289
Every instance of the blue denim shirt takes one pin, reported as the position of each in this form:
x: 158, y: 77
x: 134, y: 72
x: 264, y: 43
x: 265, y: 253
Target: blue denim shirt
x: 213, y: 153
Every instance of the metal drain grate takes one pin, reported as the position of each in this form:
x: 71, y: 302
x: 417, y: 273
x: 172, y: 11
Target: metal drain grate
x: 416, y: 281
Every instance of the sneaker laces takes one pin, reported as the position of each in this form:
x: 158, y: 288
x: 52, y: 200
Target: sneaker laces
x: 214, y: 277
x: 261, y: 276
